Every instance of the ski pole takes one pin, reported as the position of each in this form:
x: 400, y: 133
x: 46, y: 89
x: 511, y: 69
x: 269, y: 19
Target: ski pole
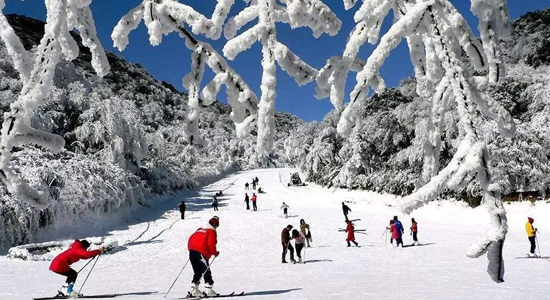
x: 176, y: 279
x: 537, y: 239
x: 84, y: 266
x: 208, y: 267
x: 82, y: 286
x: 384, y: 233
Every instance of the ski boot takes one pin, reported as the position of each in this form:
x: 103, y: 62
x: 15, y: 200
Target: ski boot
x: 194, y: 291
x: 300, y: 261
x: 63, y: 291
x: 209, y: 291
x: 292, y: 260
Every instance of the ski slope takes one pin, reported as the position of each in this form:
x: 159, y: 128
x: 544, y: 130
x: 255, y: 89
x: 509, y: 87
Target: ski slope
x: 154, y: 249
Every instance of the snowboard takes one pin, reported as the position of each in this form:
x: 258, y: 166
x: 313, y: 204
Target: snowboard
x: 81, y: 297
x: 218, y: 296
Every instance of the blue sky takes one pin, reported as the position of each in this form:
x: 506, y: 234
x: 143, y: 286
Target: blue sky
x: 170, y: 61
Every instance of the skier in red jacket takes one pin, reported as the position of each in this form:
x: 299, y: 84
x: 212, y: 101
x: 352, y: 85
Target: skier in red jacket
x: 62, y: 264
x: 351, y: 234
x: 202, y: 245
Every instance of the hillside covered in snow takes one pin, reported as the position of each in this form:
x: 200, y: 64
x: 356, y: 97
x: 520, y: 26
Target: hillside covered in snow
x: 124, y: 142
x: 385, y: 150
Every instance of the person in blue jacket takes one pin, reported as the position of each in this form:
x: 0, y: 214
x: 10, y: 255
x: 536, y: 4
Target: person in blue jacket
x: 400, y: 230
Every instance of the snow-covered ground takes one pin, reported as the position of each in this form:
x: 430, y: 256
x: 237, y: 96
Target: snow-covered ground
x: 155, y: 250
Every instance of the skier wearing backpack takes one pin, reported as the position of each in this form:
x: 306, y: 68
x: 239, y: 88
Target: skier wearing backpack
x: 61, y: 264
x: 414, y: 231
x: 202, y: 245
x: 531, y: 235
x: 299, y: 242
x: 285, y: 241
x: 285, y: 209
x: 351, y: 234
x: 398, y: 230
x: 346, y: 210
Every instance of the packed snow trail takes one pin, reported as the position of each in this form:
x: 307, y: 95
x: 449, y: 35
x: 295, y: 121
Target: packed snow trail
x: 155, y: 250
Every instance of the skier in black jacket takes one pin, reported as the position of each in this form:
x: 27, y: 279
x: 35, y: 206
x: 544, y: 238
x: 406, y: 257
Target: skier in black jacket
x: 182, y: 210
x: 346, y: 210
x: 247, y: 201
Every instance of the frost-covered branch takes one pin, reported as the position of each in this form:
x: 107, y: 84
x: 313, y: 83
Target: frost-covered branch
x: 62, y: 16
x: 440, y: 42
x: 162, y: 17
x: 313, y: 14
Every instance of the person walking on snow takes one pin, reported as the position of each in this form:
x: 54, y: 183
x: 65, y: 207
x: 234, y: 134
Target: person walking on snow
x: 61, y: 264
x: 531, y: 235
x: 398, y: 232
x: 247, y: 201
x: 346, y: 210
x: 202, y: 245
x: 414, y: 231
x: 215, y: 203
x: 285, y: 241
x: 351, y: 234
x: 254, y: 199
x: 246, y: 186
x: 182, y: 210
x: 299, y: 242
x: 303, y: 227
x: 391, y: 228
x: 285, y: 209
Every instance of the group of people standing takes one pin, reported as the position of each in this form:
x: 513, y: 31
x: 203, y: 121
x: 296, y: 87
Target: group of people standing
x: 254, y: 200
x: 301, y: 238
x: 397, y: 230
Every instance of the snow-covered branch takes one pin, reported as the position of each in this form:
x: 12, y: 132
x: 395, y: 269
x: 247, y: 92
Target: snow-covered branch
x: 166, y: 16
x: 313, y: 14
x: 62, y: 16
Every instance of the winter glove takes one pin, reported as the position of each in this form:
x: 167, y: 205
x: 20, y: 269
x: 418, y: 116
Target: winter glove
x: 217, y: 253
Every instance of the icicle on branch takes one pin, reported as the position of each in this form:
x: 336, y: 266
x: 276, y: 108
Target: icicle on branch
x: 313, y: 14
x: 162, y: 17
x: 37, y: 77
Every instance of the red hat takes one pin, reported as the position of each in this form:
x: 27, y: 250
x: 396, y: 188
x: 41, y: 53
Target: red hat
x: 215, y: 221
x: 531, y: 220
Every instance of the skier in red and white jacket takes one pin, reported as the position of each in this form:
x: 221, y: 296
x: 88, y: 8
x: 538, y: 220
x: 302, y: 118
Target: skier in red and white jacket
x: 202, y: 245
x: 61, y: 264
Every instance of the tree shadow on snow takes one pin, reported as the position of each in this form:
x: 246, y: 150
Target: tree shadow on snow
x: 271, y: 292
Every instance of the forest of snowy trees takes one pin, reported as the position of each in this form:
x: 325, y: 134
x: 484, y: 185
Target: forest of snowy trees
x: 86, y: 133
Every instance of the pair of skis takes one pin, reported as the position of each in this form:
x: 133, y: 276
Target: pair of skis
x: 218, y: 296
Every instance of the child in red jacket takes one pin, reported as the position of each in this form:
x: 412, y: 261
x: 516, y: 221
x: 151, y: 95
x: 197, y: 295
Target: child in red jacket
x: 62, y: 264
x: 351, y: 234
x: 202, y: 245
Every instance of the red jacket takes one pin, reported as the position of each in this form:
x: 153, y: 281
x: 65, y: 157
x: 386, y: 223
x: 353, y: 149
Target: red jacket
x: 349, y: 230
x: 254, y: 198
x: 62, y: 263
x: 204, y: 241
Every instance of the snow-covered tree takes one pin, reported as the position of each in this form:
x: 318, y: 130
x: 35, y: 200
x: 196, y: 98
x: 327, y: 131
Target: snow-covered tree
x: 162, y: 17
x: 62, y: 17
x: 438, y: 37
x: 298, y: 13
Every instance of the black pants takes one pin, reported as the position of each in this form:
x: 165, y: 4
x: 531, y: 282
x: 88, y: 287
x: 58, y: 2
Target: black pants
x: 215, y: 207
x: 71, y: 276
x: 415, y: 237
x: 288, y: 247
x: 533, y: 244
x: 299, y: 248
x: 254, y: 205
x: 398, y: 241
x: 247, y: 205
x: 200, y: 264
x: 346, y: 215
x: 285, y: 210
x: 182, y: 215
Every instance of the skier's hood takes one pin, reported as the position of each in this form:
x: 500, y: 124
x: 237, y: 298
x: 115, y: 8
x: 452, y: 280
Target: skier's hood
x: 531, y: 220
